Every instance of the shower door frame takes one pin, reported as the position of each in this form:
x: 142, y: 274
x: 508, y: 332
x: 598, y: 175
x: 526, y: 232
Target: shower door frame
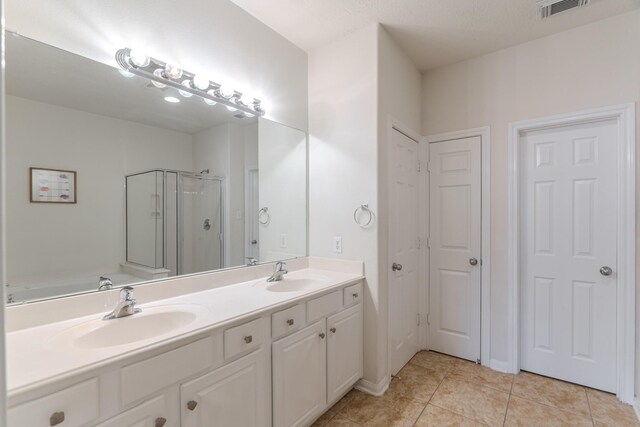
x: 180, y: 215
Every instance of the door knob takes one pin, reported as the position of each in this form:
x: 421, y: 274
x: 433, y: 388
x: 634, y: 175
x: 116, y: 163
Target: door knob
x: 191, y: 405
x: 473, y: 261
x: 160, y: 422
x: 606, y: 271
x: 396, y: 267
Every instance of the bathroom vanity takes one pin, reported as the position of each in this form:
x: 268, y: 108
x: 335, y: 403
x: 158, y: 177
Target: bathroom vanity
x: 222, y: 348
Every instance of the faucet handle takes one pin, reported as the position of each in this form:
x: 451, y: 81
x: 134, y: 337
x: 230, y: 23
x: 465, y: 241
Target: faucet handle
x: 126, y: 293
x: 279, y: 266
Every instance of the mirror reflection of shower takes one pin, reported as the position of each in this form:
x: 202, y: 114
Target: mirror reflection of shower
x: 174, y: 222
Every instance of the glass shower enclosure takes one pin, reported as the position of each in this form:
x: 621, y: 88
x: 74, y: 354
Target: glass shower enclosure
x: 174, y: 221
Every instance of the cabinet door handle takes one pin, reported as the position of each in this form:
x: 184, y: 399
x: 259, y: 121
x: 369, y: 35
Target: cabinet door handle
x: 56, y: 418
x: 160, y: 422
x: 248, y: 339
x: 322, y: 335
x: 290, y: 322
x: 355, y: 295
x: 333, y: 330
x: 191, y: 405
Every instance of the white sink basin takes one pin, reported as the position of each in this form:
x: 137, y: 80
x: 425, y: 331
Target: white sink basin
x: 150, y: 323
x: 293, y: 284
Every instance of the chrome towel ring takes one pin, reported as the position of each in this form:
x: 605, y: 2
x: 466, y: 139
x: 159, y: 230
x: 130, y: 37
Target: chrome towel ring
x: 264, y: 217
x: 367, y: 213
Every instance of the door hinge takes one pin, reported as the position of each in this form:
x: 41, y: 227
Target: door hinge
x: 419, y: 166
x: 220, y: 237
x: 428, y: 323
x: 418, y: 319
x: 419, y: 243
x: 428, y: 166
x: 429, y: 242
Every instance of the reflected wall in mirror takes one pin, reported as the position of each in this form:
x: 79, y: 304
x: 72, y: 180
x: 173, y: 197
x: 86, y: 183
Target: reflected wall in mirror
x: 163, y: 188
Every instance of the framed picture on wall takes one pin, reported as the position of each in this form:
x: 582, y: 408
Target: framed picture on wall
x: 52, y: 186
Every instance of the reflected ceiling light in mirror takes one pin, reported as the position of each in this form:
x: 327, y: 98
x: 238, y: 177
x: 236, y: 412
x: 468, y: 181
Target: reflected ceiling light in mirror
x: 188, y: 84
x: 125, y: 73
x: 171, y: 99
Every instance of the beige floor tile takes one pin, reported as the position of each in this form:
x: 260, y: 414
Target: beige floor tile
x: 432, y: 416
x: 469, y: 371
x: 341, y: 421
x: 562, y: 395
x: 435, y: 361
x: 415, y: 382
x: 363, y: 407
x: 399, y: 412
x: 607, y: 410
x: 522, y: 412
x: 471, y: 400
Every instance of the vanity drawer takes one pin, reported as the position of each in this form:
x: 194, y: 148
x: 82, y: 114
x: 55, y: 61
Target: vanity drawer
x: 352, y: 294
x: 244, y: 338
x: 72, y: 407
x: 149, y: 376
x: 323, y: 306
x: 289, y: 320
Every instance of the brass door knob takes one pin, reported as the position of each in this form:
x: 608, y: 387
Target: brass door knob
x: 191, y: 405
x: 160, y: 422
x: 333, y: 330
x: 248, y: 339
x: 473, y: 261
x: 321, y: 335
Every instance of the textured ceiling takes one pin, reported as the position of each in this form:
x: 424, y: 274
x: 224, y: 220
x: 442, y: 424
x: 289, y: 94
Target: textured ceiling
x: 433, y: 33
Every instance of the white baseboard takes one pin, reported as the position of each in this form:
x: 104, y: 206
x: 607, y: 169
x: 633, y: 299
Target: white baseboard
x: 373, y: 388
x: 636, y: 407
x: 499, y: 365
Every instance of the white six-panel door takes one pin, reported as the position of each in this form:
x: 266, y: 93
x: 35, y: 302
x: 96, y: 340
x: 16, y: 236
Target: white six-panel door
x: 567, y: 235
x: 455, y: 194
x: 403, y: 251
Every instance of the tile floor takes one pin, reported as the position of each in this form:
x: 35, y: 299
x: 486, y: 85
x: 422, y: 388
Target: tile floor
x: 438, y: 390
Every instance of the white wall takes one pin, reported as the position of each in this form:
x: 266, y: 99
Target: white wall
x: 587, y: 67
x: 216, y: 37
x: 343, y: 167
x: 47, y: 240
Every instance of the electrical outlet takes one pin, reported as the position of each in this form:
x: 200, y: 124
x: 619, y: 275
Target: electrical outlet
x: 283, y: 241
x: 337, y: 244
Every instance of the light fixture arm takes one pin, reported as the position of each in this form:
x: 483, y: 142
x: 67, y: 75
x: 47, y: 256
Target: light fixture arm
x: 212, y: 92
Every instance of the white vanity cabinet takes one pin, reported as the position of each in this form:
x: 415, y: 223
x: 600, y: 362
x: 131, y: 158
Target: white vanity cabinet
x: 148, y: 414
x: 238, y: 394
x: 300, y: 376
x: 315, y: 366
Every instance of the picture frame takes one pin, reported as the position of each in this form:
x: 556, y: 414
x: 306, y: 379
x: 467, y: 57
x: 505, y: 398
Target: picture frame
x: 56, y: 186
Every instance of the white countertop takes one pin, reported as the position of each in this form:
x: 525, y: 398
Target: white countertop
x: 34, y: 359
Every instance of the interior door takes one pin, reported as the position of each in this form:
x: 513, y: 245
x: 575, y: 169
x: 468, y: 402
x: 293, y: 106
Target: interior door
x: 455, y: 259
x: 568, y: 214
x: 403, y: 251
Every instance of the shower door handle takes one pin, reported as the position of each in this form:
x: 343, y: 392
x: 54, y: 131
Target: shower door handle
x: 207, y: 224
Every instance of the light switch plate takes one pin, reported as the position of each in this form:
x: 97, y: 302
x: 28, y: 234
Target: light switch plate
x: 337, y: 244
x: 284, y: 241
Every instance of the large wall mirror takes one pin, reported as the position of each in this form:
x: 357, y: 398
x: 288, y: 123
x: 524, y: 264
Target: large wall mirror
x: 110, y: 182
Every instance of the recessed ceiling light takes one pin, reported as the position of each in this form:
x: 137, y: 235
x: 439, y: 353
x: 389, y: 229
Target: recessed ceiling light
x: 171, y: 99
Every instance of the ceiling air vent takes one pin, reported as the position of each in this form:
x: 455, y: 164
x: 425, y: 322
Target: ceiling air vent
x: 552, y: 7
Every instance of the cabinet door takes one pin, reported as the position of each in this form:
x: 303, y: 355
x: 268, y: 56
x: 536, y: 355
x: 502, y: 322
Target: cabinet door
x: 299, y: 376
x: 344, y: 351
x: 237, y: 394
x: 149, y: 414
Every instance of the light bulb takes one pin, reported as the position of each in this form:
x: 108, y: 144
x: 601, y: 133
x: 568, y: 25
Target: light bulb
x: 172, y: 71
x: 247, y: 100
x: 158, y: 73
x: 125, y: 73
x: 209, y: 101
x: 138, y: 58
x: 249, y: 114
x: 230, y: 108
x: 186, y: 83
x: 171, y: 99
x: 200, y: 82
x: 225, y: 92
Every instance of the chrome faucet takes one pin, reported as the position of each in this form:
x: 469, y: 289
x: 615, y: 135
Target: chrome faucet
x: 126, y: 306
x: 251, y: 260
x: 104, y: 284
x: 278, y: 272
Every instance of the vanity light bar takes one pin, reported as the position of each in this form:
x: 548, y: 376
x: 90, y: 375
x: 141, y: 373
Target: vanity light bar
x: 164, y: 74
